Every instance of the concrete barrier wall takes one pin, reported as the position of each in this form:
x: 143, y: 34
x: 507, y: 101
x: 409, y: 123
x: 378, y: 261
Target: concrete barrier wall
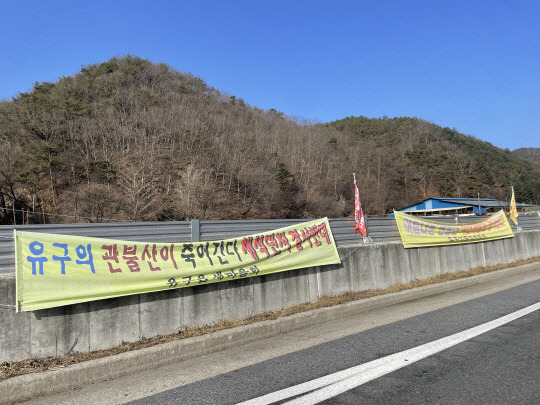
x: 108, y: 323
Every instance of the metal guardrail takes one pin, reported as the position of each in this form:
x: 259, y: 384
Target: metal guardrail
x: 380, y: 230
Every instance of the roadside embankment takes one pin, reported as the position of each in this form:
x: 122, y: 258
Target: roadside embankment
x: 59, y: 379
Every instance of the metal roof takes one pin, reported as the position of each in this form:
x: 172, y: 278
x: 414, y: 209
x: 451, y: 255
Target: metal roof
x: 486, y: 202
x: 439, y: 209
x: 461, y: 202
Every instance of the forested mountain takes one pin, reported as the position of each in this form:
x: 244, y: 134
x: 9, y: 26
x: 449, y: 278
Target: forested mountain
x: 432, y: 161
x: 532, y: 154
x: 131, y: 140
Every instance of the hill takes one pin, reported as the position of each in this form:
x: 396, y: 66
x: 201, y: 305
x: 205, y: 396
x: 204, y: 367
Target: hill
x: 532, y: 154
x: 128, y: 139
x: 429, y: 160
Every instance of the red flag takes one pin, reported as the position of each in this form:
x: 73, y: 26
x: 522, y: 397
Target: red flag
x: 358, y: 213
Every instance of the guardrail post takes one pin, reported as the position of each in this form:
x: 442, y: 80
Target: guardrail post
x: 195, y: 230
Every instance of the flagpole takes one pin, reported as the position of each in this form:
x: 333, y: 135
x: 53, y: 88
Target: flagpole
x: 514, y: 204
x: 358, y: 213
x: 364, y: 238
x: 513, y: 211
x: 517, y: 221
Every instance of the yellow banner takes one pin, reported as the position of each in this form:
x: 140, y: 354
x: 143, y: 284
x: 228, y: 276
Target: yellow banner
x: 56, y: 270
x: 417, y: 232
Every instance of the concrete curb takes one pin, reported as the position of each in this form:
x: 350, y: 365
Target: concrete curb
x: 35, y: 385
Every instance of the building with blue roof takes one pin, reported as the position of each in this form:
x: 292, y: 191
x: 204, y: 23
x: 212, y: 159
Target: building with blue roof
x: 460, y: 206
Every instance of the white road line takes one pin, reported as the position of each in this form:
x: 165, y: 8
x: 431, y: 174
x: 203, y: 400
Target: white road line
x: 335, y: 384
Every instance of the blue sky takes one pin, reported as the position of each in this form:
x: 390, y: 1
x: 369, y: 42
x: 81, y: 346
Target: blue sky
x: 469, y: 65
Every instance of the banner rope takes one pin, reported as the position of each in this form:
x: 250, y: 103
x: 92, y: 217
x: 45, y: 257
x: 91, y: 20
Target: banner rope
x: 349, y: 255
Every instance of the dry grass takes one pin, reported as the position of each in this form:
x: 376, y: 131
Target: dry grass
x: 12, y: 369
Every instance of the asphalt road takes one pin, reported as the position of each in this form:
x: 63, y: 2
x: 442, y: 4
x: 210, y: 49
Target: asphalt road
x: 499, y: 366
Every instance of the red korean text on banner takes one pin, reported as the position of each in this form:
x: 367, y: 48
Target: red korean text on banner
x: 358, y: 213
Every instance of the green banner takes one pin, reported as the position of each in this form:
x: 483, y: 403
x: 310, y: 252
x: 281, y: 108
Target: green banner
x: 55, y: 270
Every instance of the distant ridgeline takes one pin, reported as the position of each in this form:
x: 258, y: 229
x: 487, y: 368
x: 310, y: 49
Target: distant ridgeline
x: 532, y: 154
x: 128, y: 140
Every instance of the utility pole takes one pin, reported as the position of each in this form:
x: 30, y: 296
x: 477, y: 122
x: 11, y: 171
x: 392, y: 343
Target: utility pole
x: 479, y: 207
